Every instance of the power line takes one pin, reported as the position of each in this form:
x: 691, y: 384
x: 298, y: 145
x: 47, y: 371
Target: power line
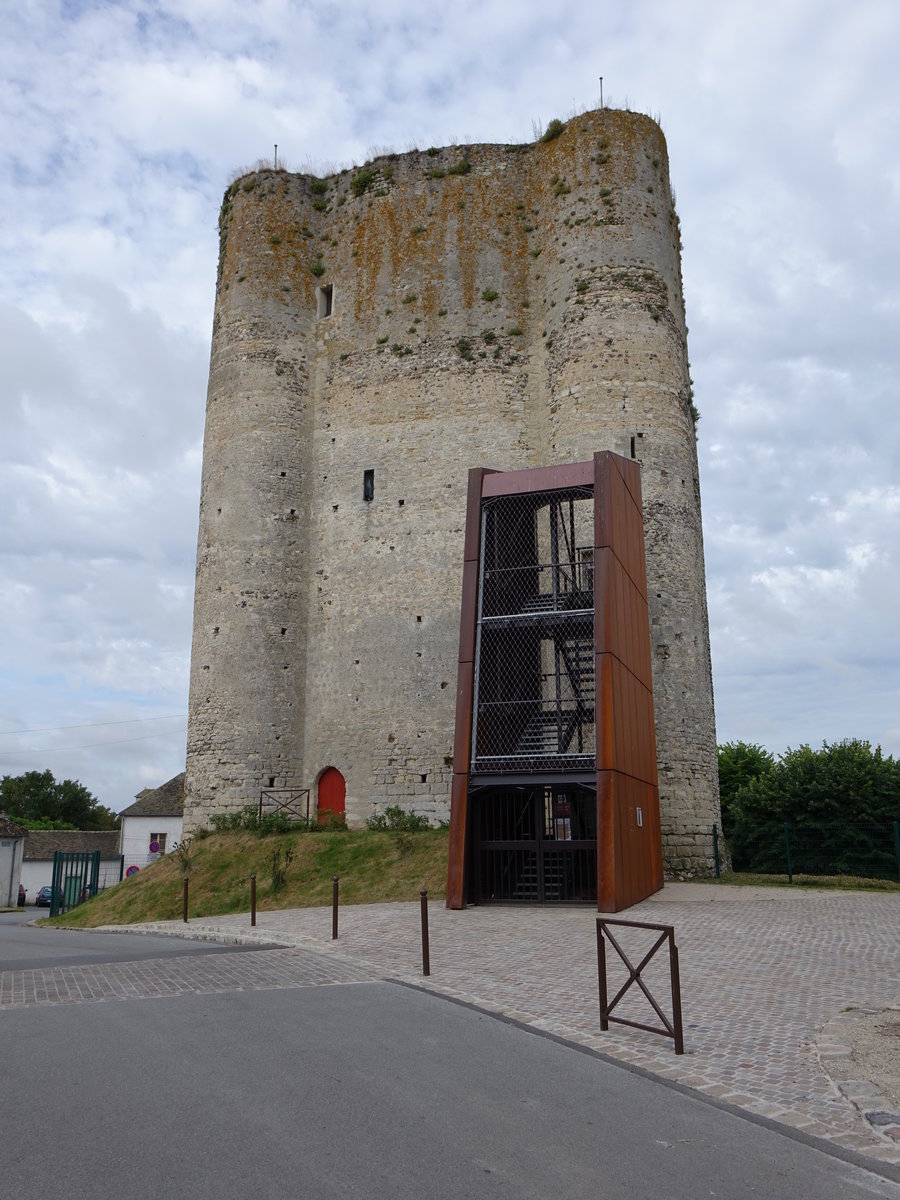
x: 89, y: 745
x: 91, y: 725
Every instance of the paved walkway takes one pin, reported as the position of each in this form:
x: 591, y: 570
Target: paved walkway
x: 768, y: 977
x: 193, y: 975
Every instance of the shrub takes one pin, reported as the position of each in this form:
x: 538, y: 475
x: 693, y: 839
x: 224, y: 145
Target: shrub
x: 248, y: 819
x: 464, y: 346
x: 553, y: 130
x: 463, y: 167
x: 395, y: 819
x: 489, y: 294
x: 280, y: 861
x: 318, y: 187
x: 361, y: 181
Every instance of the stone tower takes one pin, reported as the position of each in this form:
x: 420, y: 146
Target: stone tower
x: 377, y: 334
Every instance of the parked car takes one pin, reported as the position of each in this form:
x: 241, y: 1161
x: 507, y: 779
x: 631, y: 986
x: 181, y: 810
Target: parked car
x: 44, y: 898
x: 22, y: 894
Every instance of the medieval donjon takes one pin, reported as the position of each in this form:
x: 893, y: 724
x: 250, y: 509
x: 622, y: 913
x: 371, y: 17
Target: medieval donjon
x: 378, y: 334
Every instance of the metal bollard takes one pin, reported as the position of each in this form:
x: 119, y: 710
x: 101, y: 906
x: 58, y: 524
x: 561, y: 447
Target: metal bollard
x: 426, y: 956
x: 252, y: 900
x: 334, y: 908
x: 185, y: 913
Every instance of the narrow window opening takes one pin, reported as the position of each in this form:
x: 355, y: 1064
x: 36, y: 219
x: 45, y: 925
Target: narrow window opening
x: 418, y: 620
x: 424, y: 777
x: 271, y: 781
x: 324, y: 300
x: 400, y: 503
x: 633, y: 455
x: 283, y: 474
x: 368, y: 485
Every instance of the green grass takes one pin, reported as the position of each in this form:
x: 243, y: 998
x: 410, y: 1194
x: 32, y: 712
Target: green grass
x: 850, y: 883
x: 373, y: 867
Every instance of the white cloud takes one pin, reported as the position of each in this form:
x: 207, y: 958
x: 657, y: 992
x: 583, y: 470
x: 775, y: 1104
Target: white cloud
x: 123, y: 122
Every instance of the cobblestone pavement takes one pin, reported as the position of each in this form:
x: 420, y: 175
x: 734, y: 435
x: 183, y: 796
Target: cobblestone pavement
x: 763, y: 972
x: 176, y: 976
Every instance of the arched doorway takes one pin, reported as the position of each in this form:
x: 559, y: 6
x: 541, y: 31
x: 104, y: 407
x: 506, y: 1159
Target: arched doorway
x: 331, y: 796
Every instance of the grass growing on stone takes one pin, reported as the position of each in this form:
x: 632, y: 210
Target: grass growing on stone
x: 372, y: 867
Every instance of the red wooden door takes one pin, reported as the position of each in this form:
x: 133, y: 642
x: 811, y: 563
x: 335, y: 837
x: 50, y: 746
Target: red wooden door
x: 332, y: 791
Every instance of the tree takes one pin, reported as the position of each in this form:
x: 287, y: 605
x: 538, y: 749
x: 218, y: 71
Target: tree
x: 844, y: 782
x: 36, y: 797
x: 838, y: 802
x: 739, y: 764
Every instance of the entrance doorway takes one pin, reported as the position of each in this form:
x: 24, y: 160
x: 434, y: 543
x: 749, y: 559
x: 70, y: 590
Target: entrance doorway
x: 535, y: 844
x: 332, y: 795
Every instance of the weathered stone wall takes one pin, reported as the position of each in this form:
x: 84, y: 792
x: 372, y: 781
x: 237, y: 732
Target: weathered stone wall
x: 492, y: 305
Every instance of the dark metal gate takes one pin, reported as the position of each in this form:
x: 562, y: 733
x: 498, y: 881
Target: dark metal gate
x: 76, y: 877
x: 535, y: 844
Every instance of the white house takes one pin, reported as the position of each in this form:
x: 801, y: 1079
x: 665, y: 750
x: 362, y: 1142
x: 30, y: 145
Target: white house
x: 12, y: 840
x: 153, y: 824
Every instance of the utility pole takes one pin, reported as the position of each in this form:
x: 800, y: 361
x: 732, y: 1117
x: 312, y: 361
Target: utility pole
x: 601, y: 91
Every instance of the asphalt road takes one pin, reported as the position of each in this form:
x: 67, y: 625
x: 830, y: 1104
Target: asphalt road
x: 364, y: 1089
x: 26, y: 947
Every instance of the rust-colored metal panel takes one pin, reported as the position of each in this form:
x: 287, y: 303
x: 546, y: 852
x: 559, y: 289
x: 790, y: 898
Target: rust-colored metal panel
x: 608, y: 886
x: 456, y: 860
x: 468, y: 616
x: 473, y: 513
x: 629, y: 855
x: 462, y: 740
x: 602, y: 506
x: 604, y: 701
x: 465, y: 698
x: 538, y: 479
x: 629, y: 852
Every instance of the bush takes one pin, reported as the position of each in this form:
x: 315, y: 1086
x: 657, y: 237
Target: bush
x: 281, y: 860
x: 248, y: 820
x: 395, y: 819
x: 553, y: 130
x: 361, y: 181
x: 839, y: 803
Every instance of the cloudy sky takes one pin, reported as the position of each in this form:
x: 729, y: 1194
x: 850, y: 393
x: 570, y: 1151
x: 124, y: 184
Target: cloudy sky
x: 123, y: 122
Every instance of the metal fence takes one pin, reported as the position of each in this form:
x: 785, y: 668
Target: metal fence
x: 852, y: 851
x: 77, y: 876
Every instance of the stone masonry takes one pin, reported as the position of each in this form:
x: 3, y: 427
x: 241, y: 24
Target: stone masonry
x: 490, y: 305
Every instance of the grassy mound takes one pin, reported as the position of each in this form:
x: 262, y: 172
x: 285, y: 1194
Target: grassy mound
x: 372, y: 867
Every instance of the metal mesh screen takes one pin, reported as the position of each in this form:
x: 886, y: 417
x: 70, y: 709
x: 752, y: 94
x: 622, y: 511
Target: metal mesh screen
x: 535, y: 652
x: 536, y: 845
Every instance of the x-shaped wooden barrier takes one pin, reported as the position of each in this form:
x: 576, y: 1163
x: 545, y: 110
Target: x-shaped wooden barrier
x: 671, y: 1028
